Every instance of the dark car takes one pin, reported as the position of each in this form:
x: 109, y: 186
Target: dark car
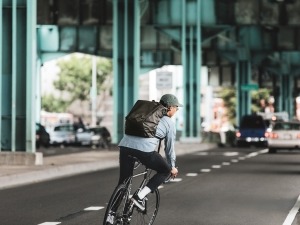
x: 252, y: 131
x: 42, y: 137
x: 101, y: 137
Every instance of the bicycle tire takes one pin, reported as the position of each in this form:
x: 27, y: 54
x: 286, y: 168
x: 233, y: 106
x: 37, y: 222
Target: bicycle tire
x: 116, y: 206
x: 148, y: 216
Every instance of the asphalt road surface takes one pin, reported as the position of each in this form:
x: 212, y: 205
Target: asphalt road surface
x: 224, y: 186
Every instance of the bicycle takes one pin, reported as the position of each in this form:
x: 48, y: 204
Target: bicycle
x: 122, y: 211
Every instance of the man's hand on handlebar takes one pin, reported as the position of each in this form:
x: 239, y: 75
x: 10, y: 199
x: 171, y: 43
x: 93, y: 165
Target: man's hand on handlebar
x: 174, y: 172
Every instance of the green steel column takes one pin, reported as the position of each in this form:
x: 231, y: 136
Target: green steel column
x: 191, y: 60
x: 287, y: 95
x: 31, y: 70
x: 14, y: 76
x: 243, y: 74
x: 18, y: 24
x: 279, y: 100
x: 126, y: 60
x: 1, y: 53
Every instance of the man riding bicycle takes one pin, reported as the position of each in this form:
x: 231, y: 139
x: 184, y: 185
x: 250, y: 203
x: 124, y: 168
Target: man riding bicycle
x: 144, y: 149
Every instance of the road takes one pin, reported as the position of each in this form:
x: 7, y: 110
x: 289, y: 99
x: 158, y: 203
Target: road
x: 223, y: 186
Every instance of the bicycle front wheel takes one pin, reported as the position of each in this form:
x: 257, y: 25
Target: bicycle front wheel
x: 147, y: 216
x: 114, y: 213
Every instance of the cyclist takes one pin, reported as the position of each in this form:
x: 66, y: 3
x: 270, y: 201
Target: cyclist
x: 144, y: 149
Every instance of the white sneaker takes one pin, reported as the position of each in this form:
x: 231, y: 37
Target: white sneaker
x: 110, y: 219
x: 140, y: 203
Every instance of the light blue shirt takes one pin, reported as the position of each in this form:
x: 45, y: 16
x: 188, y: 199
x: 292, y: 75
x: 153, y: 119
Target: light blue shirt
x: 165, y: 129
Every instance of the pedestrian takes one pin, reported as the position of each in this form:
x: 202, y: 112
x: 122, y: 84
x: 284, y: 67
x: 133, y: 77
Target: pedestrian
x: 144, y: 149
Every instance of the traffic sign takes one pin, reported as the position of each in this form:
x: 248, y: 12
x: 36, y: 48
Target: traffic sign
x: 249, y: 87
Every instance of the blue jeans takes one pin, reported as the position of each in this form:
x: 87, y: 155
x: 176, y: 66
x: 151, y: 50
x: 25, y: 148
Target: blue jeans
x: 152, y: 160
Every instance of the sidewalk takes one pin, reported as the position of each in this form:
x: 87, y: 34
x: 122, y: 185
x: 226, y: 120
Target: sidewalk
x: 76, y: 163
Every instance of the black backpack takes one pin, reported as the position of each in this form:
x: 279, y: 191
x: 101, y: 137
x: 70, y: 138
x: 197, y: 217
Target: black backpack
x: 143, y: 118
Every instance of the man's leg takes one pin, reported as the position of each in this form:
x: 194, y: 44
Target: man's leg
x: 126, y: 164
x: 156, y: 162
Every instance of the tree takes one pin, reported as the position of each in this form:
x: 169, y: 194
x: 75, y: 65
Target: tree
x: 52, y: 104
x: 258, y: 97
x: 75, y: 79
x: 229, y: 97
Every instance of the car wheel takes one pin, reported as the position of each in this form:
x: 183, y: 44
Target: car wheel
x: 272, y: 150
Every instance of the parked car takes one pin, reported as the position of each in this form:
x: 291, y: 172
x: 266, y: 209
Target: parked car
x: 252, y: 131
x: 101, y: 137
x: 67, y: 134
x: 284, y: 135
x: 84, y: 136
x: 63, y: 134
x: 42, y: 137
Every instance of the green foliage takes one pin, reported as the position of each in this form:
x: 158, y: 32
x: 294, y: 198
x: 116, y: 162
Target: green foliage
x: 229, y: 97
x: 52, y: 104
x: 257, y: 97
x: 75, y: 80
x: 75, y: 76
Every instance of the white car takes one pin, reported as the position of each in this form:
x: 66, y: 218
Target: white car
x: 65, y: 134
x: 84, y: 137
x: 62, y: 134
x: 284, y: 135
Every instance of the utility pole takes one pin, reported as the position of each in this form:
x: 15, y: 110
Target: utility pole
x: 94, y: 91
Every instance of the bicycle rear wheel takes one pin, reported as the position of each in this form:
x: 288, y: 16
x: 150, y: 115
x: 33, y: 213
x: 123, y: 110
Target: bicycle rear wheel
x: 114, y: 213
x: 146, y: 217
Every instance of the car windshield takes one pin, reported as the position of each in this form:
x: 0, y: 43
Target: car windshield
x: 64, y: 128
x: 286, y: 126
x: 253, y: 122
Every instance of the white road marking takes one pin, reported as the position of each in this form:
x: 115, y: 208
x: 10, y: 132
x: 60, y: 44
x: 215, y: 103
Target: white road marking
x: 93, y: 208
x: 230, y: 153
x: 176, y: 180
x: 216, y: 166
x: 192, y: 174
x: 263, y: 151
x: 292, y: 214
x: 50, y: 223
x: 252, y: 154
x: 234, y: 160
x: 242, y: 158
x: 160, y: 186
x: 205, y: 170
x: 202, y: 153
x: 226, y: 163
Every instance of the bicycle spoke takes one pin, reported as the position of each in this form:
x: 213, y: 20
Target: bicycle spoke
x: 114, y: 214
x: 146, y: 217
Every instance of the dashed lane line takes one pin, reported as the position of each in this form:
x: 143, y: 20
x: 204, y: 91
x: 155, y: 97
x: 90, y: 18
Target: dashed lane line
x: 216, y: 166
x: 93, y: 208
x: 205, y: 170
x: 50, y: 223
x: 292, y: 214
x: 192, y: 174
x: 176, y: 180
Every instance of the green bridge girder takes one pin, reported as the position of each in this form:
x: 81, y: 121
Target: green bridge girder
x: 140, y: 36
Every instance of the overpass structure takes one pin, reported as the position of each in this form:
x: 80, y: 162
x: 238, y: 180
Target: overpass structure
x: 244, y: 41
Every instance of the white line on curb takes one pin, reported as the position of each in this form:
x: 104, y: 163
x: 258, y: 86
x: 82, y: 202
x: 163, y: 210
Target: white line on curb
x: 292, y: 214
